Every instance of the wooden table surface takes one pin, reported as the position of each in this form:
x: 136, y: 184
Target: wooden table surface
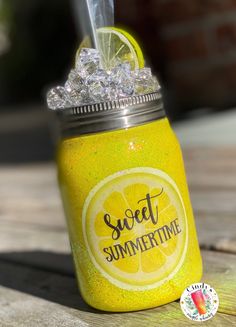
x: 37, y: 284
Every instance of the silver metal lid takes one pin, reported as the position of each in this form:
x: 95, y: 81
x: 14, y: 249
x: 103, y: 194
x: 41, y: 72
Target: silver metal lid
x: 111, y: 115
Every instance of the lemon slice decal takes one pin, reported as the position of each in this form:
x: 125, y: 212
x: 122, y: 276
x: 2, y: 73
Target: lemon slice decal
x: 135, y: 228
x: 116, y: 46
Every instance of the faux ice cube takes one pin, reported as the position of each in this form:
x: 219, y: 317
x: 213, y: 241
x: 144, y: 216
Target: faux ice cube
x: 145, y: 73
x: 76, y: 88
x: 156, y: 84
x: 122, y: 77
x: 100, y: 75
x: 57, y: 98
x: 88, y: 62
x: 75, y: 81
x: 88, y: 82
x: 98, y: 84
x: 143, y: 81
x: 98, y: 93
x: 87, y: 55
x: 76, y: 97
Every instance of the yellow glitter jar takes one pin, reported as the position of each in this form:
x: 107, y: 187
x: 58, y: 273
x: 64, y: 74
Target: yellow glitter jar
x: 126, y: 199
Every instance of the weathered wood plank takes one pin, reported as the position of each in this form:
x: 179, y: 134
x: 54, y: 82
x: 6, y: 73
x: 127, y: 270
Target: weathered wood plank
x: 219, y: 272
x: 211, y: 181
x: 48, y: 211
x: 35, y: 200
x: 214, y: 153
x: 21, y: 242
x: 30, y: 194
x: 29, y: 244
x: 211, y: 165
x: 34, y: 195
x: 215, y: 202
x: 30, y: 297
x: 48, y: 249
x: 21, y: 236
x: 217, y: 232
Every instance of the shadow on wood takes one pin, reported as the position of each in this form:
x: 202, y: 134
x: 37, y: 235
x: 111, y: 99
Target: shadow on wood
x: 34, y: 278
x: 39, y: 275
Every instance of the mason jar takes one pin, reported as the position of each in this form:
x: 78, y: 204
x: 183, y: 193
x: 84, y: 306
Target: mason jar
x: 125, y: 195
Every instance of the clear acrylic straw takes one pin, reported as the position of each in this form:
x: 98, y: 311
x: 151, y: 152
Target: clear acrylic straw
x: 92, y: 15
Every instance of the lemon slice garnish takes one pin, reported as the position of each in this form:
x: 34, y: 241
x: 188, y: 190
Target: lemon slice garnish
x: 116, y: 46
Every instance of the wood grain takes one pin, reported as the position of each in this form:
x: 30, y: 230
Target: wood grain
x: 201, y: 154
x: 219, y: 271
x: 217, y: 232
x: 29, y: 193
x: 49, y: 250
x: 37, y: 285
x: 30, y: 297
x: 216, y: 202
x: 211, y: 168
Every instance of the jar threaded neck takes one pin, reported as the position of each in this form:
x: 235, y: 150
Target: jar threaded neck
x: 111, y: 115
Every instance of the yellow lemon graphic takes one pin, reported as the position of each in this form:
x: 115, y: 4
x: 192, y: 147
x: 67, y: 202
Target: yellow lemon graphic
x: 134, y: 225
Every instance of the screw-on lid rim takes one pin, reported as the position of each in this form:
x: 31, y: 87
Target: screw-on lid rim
x: 111, y: 115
